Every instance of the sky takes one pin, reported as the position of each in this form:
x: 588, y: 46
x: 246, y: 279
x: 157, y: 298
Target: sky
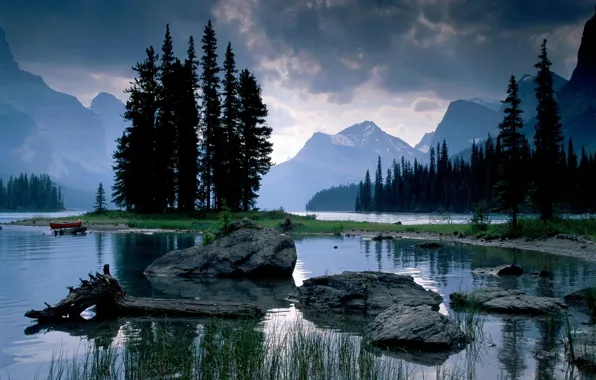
x: 323, y: 64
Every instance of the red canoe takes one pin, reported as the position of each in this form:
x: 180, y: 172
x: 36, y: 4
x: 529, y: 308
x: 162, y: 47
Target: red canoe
x: 58, y: 225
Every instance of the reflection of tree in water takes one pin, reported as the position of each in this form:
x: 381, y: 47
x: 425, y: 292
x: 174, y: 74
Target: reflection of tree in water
x: 379, y: 254
x: 366, y: 248
x: 511, y: 354
x: 547, y: 346
x: 170, y: 343
x: 100, y: 239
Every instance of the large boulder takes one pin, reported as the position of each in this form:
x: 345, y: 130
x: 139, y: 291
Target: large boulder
x: 417, y: 330
x: 507, y: 302
x: 246, y: 251
x: 365, y: 293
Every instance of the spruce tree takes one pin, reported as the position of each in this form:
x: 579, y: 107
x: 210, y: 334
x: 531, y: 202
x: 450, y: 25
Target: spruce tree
x: 187, y: 116
x: 547, y: 141
x: 366, y: 194
x: 378, y: 194
x: 254, y: 137
x: 100, y: 199
x: 232, y: 192
x: 210, y: 110
x: 134, y: 157
x: 510, y: 187
x: 165, y: 128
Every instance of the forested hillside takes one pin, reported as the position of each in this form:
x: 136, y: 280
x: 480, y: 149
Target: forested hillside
x: 336, y: 198
x: 30, y: 193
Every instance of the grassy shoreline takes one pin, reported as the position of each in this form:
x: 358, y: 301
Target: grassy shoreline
x: 529, y: 228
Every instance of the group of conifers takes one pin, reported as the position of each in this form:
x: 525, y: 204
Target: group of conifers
x: 196, y: 134
x: 513, y: 171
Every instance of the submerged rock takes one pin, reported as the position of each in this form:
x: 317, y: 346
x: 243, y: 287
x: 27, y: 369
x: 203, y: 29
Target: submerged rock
x: 246, y: 251
x: 507, y: 301
x: 418, y: 329
x: 503, y: 270
x: 366, y: 293
x: 380, y: 237
x: 267, y: 293
x: 428, y: 245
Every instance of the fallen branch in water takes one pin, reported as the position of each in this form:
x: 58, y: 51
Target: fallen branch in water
x: 111, y: 301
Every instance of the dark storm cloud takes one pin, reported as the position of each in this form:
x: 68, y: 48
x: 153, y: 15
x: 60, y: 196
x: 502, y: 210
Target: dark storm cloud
x: 454, y: 47
x: 104, y: 35
x: 422, y: 105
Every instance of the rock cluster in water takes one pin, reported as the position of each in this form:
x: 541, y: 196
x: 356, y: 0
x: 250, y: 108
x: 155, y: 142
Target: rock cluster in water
x: 247, y: 250
x: 406, y: 314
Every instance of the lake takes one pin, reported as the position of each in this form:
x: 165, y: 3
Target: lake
x: 36, y: 267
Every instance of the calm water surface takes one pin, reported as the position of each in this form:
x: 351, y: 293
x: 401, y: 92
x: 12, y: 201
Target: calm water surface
x: 35, y: 268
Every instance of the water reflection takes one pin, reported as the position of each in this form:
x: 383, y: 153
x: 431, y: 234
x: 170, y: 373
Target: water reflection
x: 36, y: 268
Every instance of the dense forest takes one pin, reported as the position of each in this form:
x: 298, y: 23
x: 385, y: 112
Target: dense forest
x: 336, y: 198
x: 197, y: 137
x: 30, y: 193
x: 507, y: 173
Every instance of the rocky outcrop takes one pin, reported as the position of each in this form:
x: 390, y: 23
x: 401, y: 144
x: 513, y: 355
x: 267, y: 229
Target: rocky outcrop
x: 245, y: 251
x: 418, y: 328
x: 506, y: 301
x: 583, y: 79
x: 504, y: 270
x: 364, y: 293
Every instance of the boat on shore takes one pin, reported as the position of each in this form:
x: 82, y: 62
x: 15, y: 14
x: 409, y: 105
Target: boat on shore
x: 66, y: 224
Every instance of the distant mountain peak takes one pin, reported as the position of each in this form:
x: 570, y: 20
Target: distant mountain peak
x: 104, y: 99
x: 7, y: 61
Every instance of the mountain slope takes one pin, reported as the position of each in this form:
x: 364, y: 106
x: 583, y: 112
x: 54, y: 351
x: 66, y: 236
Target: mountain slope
x: 330, y: 160
x: 110, y: 110
x: 57, y: 134
x: 465, y: 122
x: 578, y: 96
x: 424, y: 143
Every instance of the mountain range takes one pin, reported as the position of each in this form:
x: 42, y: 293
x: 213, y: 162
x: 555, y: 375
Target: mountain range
x: 293, y: 182
x: 327, y: 160
x: 46, y: 131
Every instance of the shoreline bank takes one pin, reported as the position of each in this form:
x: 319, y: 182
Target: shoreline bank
x: 578, y: 248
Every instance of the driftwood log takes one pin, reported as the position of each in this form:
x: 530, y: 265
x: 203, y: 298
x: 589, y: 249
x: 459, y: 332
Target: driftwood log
x: 111, y: 301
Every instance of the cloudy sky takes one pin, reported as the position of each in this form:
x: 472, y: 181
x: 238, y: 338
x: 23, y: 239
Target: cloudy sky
x: 323, y: 64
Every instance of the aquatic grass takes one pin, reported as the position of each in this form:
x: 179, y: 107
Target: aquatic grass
x: 240, y: 350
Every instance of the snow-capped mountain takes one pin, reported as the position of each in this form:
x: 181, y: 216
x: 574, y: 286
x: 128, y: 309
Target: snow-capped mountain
x: 331, y: 160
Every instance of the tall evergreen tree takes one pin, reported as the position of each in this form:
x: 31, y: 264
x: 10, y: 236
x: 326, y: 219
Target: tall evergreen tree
x: 378, y: 194
x: 165, y: 128
x: 135, y: 159
x: 254, y: 137
x: 231, y: 189
x: 210, y: 110
x: 510, y: 187
x: 547, y: 140
x: 187, y: 115
x: 100, y: 199
x: 366, y: 194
